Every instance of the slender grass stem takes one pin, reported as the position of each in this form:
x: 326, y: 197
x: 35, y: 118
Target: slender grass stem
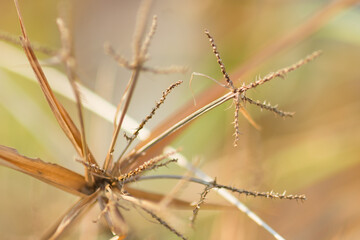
x: 133, y: 81
x: 179, y: 124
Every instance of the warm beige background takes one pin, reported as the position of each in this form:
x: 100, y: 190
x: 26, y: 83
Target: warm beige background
x: 316, y: 153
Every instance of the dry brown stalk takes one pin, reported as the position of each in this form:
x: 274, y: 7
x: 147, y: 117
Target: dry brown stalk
x: 59, y: 111
x: 50, y: 173
x: 70, y: 64
x: 138, y: 61
x: 109, y: 205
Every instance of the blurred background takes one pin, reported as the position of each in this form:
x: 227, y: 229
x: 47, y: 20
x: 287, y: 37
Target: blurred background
x: 317, y: 152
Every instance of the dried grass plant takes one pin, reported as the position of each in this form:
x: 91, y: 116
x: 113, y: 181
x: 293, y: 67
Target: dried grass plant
x: 107, y: 183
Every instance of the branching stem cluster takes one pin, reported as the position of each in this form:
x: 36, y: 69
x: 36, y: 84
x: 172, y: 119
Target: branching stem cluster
x: 107, y: 185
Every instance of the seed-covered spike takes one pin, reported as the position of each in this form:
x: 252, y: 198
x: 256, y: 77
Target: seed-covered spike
x: 222, y: 67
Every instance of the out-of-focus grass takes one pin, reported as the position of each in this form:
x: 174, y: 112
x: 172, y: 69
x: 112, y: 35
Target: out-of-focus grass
x: 316, y: 152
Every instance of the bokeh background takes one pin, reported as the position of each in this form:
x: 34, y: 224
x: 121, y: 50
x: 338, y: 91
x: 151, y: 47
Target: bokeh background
x: 316, y: 153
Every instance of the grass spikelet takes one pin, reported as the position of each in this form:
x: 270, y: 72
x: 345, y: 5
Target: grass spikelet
x: 222, y: 67
x: 282, y: 72
x: 268, y: 107
x: 236, y: 118
x: 152, y: 113
x: 271, y: 194
x: 145, y: 46
x: 117, y: 57
x: 164, y: 223
x: 145, y: 166
x: 199, y: 203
